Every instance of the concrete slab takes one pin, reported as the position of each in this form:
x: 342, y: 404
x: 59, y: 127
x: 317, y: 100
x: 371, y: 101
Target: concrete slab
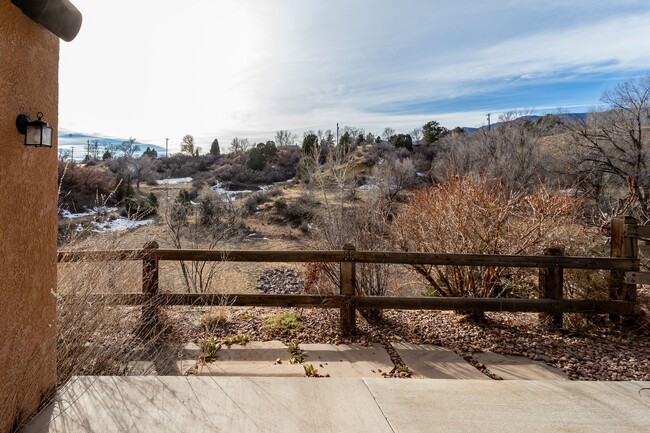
x: 510, y: 367
x: 191, y: 350
x: 211, y: 404
x: 462, y: 406
x: 250, y: 368
x: 256, y: 358
x: 435, y: 362
x: 348, y: 360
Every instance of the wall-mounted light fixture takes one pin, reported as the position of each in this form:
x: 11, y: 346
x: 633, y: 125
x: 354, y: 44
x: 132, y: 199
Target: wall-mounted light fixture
x: 37, y: 132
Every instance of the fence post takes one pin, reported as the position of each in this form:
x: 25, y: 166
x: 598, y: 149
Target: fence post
x: 551, y: 283
x: 150, y: 274
x: 348, y: 290
x: 627, y: 247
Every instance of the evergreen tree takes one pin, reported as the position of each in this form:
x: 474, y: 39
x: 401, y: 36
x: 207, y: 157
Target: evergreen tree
x: 309, y: 143
x: 402, y: 140
x: 214, y: 148
x: 151, y: 153
x: 432, y: 131
x: 256, y: 159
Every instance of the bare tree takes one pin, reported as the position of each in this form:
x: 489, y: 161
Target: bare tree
x: 141, y: 169
x: 339, y: 220
x: 128, y: 147
x: 393, y: 177
x: 417, y: 135
x: 188, y: 145
x: 93, y: 148
x: 285, y: 138
x: 202, y: 225
x: 239, y: 145
x: 510, y: 153
x: 388, y: 133
x: 613, y: 145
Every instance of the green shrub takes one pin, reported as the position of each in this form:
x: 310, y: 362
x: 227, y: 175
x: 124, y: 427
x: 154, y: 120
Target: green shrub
x: 280, y: 204
x: 282, y: 323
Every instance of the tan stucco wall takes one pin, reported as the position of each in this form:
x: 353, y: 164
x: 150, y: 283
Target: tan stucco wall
x: 29, y: 58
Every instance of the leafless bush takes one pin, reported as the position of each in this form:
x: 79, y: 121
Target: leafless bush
x: 394, y: 177
x: 466, y: 215
x: 80, y: 187
x: 338, y: 222
x: 201, y: 226
x: 299, y: 211
x: 613, y: 145
x: 510, y: 152
x: 260, y: 197
x: 93, y: 337
x: 232, y: 168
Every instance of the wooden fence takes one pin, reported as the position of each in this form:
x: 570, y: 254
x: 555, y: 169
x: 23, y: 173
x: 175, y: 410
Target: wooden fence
x: 623, y: 267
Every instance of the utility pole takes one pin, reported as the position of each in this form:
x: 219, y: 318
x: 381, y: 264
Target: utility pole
x: 488, y: 116
x: 72, y: 153
x: 337, y: 134
x: 166, y: 147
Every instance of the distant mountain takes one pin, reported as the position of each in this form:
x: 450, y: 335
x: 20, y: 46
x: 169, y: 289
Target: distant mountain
x: 533, y: 118
x: 79, y: 141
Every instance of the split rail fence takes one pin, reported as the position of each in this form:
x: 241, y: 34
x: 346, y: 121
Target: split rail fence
x: 623, y: 266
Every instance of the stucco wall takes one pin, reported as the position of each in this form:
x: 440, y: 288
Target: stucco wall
x: 29, y: 57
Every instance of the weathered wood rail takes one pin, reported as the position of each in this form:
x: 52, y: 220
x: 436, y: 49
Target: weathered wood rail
x: 623, y: 267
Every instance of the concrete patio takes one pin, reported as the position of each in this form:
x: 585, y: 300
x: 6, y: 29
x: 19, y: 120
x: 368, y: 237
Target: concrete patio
x: 287, y: 404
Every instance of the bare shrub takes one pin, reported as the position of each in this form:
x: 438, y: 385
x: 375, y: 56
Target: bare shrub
x: 510, y: 152
x: 611, y: 147
x: 280, y: 167
x: 394, y: 177
x: 298, y: 211
x: 80, y: 187
x: 201, y: 226
x: 339, y: 222
x: 260, y: 197
x: 94, y: 337
x: 466, y: 215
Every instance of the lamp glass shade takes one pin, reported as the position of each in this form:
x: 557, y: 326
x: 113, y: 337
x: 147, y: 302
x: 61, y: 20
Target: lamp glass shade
x: 38, y: 135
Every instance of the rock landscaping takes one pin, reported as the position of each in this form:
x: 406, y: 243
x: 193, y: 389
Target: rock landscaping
x: 596, y: 351
x: 280, y: 281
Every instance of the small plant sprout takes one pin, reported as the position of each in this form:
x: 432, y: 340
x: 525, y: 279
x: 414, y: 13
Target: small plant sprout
x: 404, y: 371
x: 310, y: 371
x: 210, y: 349
x: 238, y: 339
x: 298, y: 355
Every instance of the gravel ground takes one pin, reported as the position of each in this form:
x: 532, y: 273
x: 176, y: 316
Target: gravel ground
x: 592, y: 350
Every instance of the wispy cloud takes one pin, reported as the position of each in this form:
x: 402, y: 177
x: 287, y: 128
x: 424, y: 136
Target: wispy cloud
x: 249, y: 68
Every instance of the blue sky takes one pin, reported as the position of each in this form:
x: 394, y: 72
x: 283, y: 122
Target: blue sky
x: 157, y: 69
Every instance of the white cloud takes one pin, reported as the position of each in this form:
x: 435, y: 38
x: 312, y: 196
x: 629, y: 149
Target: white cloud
x: 156, y: 69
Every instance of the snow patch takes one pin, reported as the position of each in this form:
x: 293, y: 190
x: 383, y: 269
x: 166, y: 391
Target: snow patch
x: 118, y: 224
x: 231, y: 195
x: 367, y: 187
x: 219, y: 189
x: 101, y: 210
x: 284, y: 182
x: 174, y: 181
